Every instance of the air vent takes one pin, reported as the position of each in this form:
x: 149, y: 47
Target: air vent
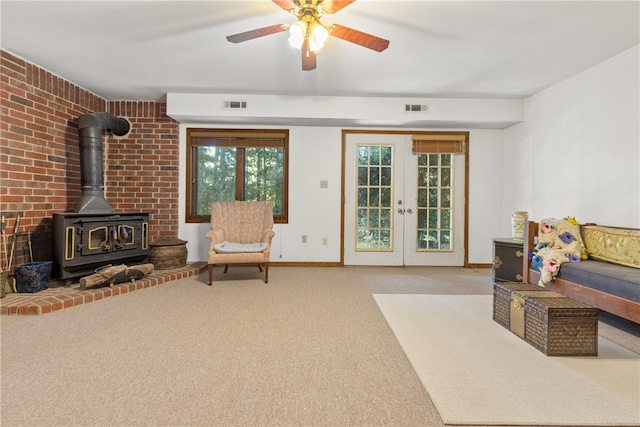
x: 416, y: 108
x: 235, y: 105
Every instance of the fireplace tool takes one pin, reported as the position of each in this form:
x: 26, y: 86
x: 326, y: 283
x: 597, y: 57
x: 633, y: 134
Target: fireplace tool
x: 3, y: 246
x: 30, y: 249
x: 13, y: 241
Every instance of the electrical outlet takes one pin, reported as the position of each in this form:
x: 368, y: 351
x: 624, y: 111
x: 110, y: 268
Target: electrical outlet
x: 325, y: 241
x: 304, y: 238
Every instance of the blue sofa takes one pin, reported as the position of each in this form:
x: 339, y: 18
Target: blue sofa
x: 611, y: 287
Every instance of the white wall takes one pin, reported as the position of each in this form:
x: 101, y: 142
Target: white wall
x: 485, y: 193
x: 577, y: 152
x: 314, y: 155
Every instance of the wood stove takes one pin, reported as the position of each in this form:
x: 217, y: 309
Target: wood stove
x: 85, y: 242
x: 95, y: 235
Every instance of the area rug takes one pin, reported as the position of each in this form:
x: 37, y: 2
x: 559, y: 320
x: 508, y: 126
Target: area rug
x: 477, y: 372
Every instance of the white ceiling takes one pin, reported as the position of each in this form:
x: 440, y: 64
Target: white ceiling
x: 141, y: 50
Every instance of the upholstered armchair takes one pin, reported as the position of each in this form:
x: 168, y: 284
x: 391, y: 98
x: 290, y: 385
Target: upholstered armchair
x: 241, y: 233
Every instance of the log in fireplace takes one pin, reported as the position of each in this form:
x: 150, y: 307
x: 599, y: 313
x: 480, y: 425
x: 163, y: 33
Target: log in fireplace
x: 94, y: 235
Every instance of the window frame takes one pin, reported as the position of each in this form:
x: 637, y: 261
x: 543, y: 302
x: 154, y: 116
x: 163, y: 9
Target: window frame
x: 239, y: 139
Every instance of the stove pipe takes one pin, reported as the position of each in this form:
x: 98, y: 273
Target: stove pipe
x: 90, y: 127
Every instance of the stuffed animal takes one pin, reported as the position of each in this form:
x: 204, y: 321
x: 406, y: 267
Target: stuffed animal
x: 559, y: 241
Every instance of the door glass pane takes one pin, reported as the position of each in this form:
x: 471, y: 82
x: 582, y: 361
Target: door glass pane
x: 435, y: 176
x: 433, y: 197
x: 363, y: 156
x: 433, y: 239
x: 445, y: 174
x: 386, y: 156
x: 374, y: 176
x: 385, y: 176
x: 362, y: 176
x: 362, y: 217
x: 385, y: 197
x: 422, y: 219
x: 374, y: 218
x: 375, y: 198
x: 445, y: 239
x: 374, y: 155
x: 385, y: 219
x: 446, y: 197
x: 423, y: 239
x: 422, y: 197
x: 362, y: 197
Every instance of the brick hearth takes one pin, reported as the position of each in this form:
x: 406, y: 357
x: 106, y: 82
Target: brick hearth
x: 59, y: 297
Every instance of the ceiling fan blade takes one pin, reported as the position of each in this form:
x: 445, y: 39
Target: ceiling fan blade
x: 254, y: 34
x: 308, y: 57
x: 332, y: 6
x: 358, y: 37
x: 285, y: 4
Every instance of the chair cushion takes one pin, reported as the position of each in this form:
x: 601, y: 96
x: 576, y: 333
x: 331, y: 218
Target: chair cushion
x: 234, y: 248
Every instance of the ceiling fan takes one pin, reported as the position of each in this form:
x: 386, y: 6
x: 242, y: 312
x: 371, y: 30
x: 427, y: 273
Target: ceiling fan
x: 308, y: 33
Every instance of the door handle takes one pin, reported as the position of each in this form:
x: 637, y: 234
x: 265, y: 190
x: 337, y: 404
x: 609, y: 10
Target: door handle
x: 401, y: 211
x: 409, y: 211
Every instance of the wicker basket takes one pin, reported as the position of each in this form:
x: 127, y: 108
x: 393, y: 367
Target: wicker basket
x: 502, y: 299
x: 561, y: 326
x: 554, y: 324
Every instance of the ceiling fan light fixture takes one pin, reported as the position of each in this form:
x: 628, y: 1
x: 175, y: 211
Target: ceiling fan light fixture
x: 297, y: 33
x: 318, y: 35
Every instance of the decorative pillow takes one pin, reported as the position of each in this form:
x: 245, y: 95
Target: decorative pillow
x: 616, y: 245
x: 234, y: 248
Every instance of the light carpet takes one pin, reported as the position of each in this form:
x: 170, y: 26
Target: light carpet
x: 477, y: 372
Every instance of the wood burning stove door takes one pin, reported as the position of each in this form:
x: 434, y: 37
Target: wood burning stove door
x: 102, y: 237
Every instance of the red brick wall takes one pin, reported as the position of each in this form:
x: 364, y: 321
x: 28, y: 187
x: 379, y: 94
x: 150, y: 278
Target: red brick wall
x: 40, y: 162
x: 141, y: 170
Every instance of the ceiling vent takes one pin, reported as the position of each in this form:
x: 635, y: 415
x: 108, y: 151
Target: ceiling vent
x: 235, y: 105
x: 424, y: 108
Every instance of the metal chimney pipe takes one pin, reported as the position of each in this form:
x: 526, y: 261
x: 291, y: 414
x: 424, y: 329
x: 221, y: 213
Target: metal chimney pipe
x: 90, y: 128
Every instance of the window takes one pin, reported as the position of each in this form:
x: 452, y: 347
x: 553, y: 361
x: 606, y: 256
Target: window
x: 236, y: 164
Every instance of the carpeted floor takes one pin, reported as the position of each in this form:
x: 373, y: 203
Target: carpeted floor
x: 310, y: 348
x: 459, y: 354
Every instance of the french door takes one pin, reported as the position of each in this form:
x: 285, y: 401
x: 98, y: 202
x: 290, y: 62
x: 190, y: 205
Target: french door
x: 402, y: 208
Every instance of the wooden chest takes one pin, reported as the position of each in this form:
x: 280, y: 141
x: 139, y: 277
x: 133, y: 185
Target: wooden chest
x: 552, y: 323
x: 507, y: 260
